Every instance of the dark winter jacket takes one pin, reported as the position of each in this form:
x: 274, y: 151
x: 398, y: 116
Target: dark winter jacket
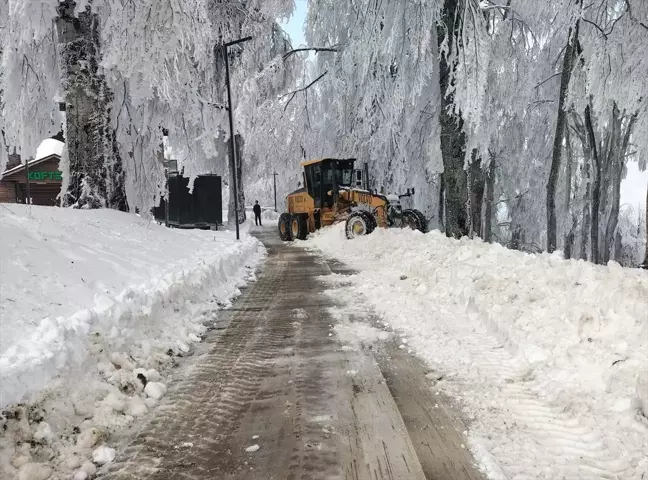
x: 257, y: 209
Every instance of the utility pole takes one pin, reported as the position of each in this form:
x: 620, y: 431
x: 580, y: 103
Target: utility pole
x: 274, y: 180
x: 230, y: 109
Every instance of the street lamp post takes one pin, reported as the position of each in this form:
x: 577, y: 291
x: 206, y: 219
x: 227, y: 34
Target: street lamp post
x: 274, y: 181
x: 230, y: 109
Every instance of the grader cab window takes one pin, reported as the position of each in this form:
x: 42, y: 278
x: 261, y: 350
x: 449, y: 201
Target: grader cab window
x: 328, y: 176
x: 327, y: 183
x: 344, y: 173
x: 314, y: 182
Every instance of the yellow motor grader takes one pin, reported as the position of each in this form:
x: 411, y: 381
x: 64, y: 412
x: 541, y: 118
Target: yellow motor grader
x: 331, y: 195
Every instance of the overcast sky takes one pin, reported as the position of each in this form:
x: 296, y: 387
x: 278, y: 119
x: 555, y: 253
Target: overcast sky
x: 633, y: 188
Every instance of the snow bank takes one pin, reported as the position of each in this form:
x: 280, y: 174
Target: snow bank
x: 95, y: 304
x: 270, y: 215
x: 49, y: 146
x: 548, y: 357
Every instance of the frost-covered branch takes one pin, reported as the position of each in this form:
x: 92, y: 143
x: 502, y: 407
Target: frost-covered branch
x: 302, y: 89
x: 309, y: 49
x: 547, y: 79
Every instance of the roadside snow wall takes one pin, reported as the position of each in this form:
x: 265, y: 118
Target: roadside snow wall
x: 78, y: 286
x: 548, y: 357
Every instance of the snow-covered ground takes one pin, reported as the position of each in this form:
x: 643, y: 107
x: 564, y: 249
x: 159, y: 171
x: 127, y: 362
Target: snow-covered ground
x: 94, y: 307
x: 547, y: 357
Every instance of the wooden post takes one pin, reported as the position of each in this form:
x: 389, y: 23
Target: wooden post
x: 27, y: 184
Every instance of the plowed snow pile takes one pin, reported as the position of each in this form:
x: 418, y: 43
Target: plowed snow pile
x: 547, y: 357
x: 95, y: 306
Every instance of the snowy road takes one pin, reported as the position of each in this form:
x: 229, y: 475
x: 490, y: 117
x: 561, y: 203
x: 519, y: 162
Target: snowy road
x: 279, y: 397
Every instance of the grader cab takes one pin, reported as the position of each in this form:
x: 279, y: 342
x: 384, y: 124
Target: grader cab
x: 331, y: 195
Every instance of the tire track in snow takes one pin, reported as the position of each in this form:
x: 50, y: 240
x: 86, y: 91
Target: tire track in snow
x: 545, y: 436
x: 557, y: 432
x: 211, y: 401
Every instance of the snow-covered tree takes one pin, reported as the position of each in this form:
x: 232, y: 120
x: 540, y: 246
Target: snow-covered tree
x: 94, y: 175
x: 29, y: 77
x: 152, y: 64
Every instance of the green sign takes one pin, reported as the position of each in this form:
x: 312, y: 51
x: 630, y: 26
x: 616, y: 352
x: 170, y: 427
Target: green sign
x: 46, y: 175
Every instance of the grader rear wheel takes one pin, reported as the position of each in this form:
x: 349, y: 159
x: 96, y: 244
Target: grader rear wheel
x: 298, y: 227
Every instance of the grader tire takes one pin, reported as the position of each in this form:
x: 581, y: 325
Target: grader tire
x: 298, y: 227
x: 415, y: 220
x: 284, y: 227
x: 359, y: 224
x: 422, y: 220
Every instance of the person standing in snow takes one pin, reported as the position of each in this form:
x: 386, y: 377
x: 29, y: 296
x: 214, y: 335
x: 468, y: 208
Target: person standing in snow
x: 257, y: 214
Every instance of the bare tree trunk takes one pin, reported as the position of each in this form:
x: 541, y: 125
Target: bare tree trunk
x: 569, y: 236
x: 585, y: 236
x: 585, y: 231
x: 613, y: 218
x: 645, y: 263
x: 620, y: 142
x: 561, y: 124
x: 490, y: 194
x: 596, y: 187
x: 476, y: 198
x: 453, y: 138
x: 606, y: 156
x: 95, y: 177
x: 442, y: 203
x: 618, y: 247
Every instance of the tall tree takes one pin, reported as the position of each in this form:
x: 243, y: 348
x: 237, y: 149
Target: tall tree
x: 571, y: 54
x: 489, y: 198
x: 94, y: 175
x: 29, y: 77
x: 453, y: 137
x: 617, y: 154
x: 569, y: 201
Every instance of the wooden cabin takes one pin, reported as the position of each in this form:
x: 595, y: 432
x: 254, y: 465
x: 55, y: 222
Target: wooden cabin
x: 45, y: 181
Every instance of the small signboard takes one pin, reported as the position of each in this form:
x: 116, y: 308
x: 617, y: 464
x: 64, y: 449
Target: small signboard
x: 36, y: 176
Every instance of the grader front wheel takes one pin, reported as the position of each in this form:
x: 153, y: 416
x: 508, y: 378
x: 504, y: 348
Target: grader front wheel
x: 284, y: 227
x: 359, y: 224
